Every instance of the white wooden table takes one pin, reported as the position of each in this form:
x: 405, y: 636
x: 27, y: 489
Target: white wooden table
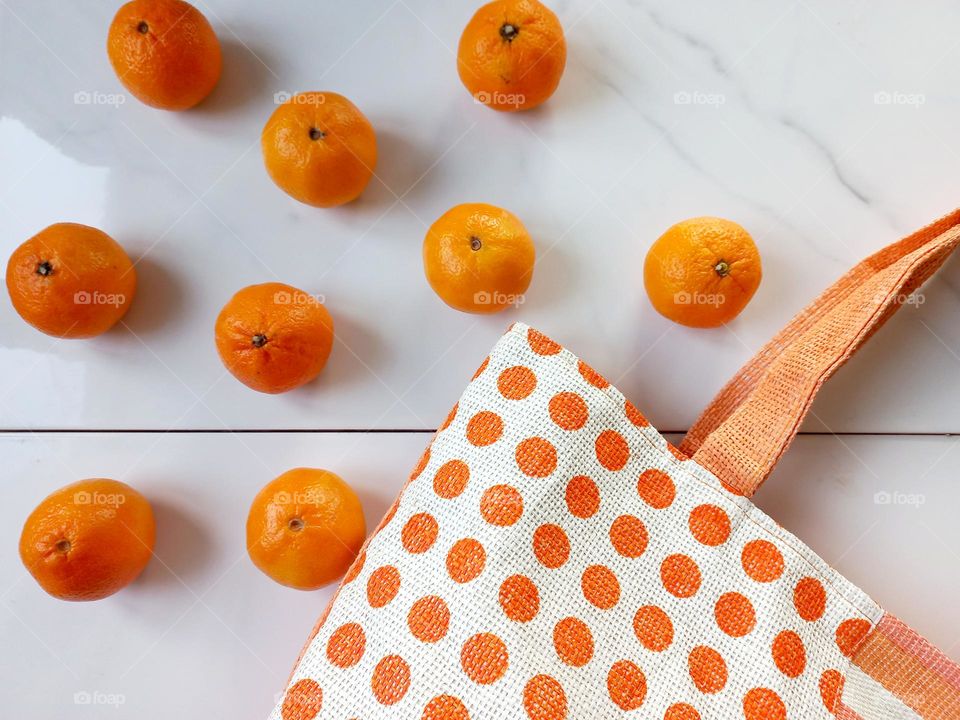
x: 826, y: 130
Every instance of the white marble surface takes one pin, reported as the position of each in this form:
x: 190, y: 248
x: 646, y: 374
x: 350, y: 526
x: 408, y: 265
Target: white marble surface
x: 795, y: 147
x: 774, y: 114
x: 204, y: 634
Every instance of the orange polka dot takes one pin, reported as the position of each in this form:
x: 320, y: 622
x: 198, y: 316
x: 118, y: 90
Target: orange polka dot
x: 484, y: 428
x: 573, y: 641
x: 789, y: 655
x: 653, y: 628
x: 600, y: 587
x: 680, y: 575
x: 850, y: 633
x: 626, y: 685
x: 551, y: 546
x: 421, y: 464
x: 628, y: 535
x: 541, y: 344
x: 449, y: 419
x: 519, y: 598
x: 451, y: 479
x: 568, y: 410
x: 501, y: 505
x: 763, y: 704
x: 484, y: 658
x: 592, y: 376
x: 707, y: 669
x: 429, y: 619
x: 419, y: 534
x: 656, y: 488
x: 762, y: 561
x: 517, y: 382
x: 681, y: 711
x: 536, y: 457
x: 445, y: 707
x: 466, y: 560
x: 357, y: 566
x: 582, y: 496
x: 634, y: 415
x: 303, y: 701
x: 709, y: 525
x: 483, y: 366
x: 612, y: 450
x: 810, y: 599
x: 391, y: 680
x: 346, y: 645
x: 734, y: 614
x: 382, y: 586
x: 831, y: 689
x: 544, y: 699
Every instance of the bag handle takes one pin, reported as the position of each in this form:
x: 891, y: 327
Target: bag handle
x: 751, y: 422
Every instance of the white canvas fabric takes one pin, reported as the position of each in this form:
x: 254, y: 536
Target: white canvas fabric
x: 554, y: 557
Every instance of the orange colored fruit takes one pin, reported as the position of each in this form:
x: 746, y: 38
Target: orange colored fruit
x: 512, y: 54
x: 88, y: 540
x: 71, y: 281
x: 479, y: 258
x: 305, y: 528
x: 319, y: 149
x: 164, y: 52
x: 273, y: 337
x: 702, y: 272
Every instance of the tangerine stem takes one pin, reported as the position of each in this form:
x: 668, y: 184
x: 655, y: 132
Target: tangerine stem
x: 509, y: 31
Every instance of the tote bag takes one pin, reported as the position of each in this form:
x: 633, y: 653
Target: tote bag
x: 553, y: 557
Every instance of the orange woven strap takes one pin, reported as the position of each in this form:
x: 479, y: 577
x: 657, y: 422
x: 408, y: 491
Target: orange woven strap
x: 910, y: 671
x: 748, y: 426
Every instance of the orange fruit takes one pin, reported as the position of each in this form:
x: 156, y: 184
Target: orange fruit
x: 702, y: 272
x: 89, y: 539
x: 319, y: 149
x: 71, y: 281
x: 164, y: 52
x: 273, y: 337
x: 305, y: 528
x: 512, y: 54
x: 478, y: 258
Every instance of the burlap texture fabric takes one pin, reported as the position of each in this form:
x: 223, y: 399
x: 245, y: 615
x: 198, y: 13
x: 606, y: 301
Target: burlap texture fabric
x: 552, y: 557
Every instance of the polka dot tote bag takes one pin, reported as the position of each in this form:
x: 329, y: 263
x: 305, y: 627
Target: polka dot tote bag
x: 553, y: 557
